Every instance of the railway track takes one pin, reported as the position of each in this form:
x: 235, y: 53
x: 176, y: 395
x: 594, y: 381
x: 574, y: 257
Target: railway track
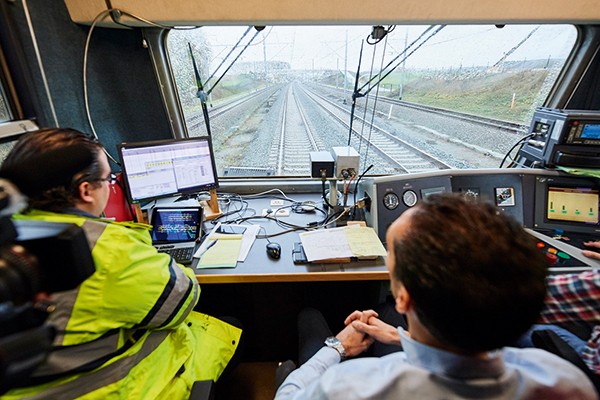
x: 476, y: 119
x: 296, y: 132
x: 289, y: 153
x: 494, y: 123
x: 402, y: 156
x: 195, y: 122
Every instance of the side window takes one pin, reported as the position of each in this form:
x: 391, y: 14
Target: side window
x: 6, y: 117
x: 4, y: 111
x: 428, y: 97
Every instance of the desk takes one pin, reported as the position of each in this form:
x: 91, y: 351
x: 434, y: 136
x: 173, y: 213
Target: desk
x: 258, y: 267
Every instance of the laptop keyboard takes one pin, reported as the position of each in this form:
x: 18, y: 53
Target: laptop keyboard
x: 182, y: 255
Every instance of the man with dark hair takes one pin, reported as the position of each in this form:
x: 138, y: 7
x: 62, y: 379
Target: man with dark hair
x: 469, y: 281
x: 129, y: 330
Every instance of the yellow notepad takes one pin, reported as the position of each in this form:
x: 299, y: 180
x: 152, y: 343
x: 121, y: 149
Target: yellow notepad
x: 223, y: 254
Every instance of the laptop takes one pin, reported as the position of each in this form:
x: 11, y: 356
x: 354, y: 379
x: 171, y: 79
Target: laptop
x: 176, y: 230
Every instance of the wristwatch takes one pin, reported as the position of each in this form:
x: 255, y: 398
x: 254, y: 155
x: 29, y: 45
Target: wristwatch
x: 335, y: 343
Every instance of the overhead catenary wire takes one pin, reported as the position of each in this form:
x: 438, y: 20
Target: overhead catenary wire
x: 353, y: 107
x: 364, y: 118
x: 357, y: 91
x: 233, y: 62
x: 404, y: 56
x: 228, y: 54
x: 374, y: 105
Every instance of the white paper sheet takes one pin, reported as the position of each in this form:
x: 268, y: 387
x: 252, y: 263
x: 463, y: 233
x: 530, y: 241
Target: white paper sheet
x: 325, y: 244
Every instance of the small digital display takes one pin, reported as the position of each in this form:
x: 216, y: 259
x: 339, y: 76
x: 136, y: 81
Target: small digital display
x: 434, y: 190
x: 590, y: 131
x: 572, y: 205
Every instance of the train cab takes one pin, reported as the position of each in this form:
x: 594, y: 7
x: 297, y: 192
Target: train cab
x: 239, y: 132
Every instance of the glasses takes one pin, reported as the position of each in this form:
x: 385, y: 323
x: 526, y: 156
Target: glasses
x: 111, y: 179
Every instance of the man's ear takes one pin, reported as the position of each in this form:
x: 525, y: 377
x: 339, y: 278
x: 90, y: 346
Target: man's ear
x: 403, y: 300
x: 85, y: 189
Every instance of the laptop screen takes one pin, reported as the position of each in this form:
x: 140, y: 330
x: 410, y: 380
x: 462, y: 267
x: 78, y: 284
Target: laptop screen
x: 176, y: 224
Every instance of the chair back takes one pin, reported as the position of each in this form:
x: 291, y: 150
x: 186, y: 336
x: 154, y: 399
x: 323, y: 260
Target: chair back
x: 550, y: 341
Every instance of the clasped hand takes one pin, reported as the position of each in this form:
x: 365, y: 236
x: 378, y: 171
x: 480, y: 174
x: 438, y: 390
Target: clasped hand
x: 362, y: 329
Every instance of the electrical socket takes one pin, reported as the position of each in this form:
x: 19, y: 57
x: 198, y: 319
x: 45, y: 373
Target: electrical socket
x: 284, y: 212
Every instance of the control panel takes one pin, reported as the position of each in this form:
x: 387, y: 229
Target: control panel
x: 390, y: 196
x: 568, y: 138
x: 556, y: 207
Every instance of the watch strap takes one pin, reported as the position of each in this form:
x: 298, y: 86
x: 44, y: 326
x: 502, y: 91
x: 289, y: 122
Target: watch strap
x: 335, y: 344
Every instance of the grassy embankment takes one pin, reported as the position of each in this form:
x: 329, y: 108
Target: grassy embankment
x: 485, y: 94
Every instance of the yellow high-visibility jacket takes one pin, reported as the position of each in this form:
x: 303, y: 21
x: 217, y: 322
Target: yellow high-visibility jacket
x: 129, y: 330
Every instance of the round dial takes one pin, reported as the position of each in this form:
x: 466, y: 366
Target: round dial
x: 391, y: 201
x: 409, y: 198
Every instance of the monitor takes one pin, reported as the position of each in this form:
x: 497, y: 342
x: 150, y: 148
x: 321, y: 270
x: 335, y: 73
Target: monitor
x: 568, y: 203
x: 165, y: 168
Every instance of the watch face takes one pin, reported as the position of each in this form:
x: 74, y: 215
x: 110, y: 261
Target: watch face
x: 332, y: 341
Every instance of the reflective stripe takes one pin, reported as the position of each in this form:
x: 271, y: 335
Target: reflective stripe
x: 105, y: 376
x: 69, y: 358
x: 93, y: 230
x: 65, y: 302
x: 169, y: 303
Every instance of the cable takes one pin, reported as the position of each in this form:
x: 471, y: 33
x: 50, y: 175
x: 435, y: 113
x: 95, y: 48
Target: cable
x: 324, y: 195
x: 346, y: 189
x: 521, y: 141
x: 358, y: 180
x: 341, y: 214
x: 99, y: 17
x: 269, y: 191
x: 115, y: 13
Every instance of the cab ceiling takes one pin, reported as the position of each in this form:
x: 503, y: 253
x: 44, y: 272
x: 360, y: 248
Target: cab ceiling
x: 336, y: 12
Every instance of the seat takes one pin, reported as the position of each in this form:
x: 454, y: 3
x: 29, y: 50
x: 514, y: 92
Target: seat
x: 203, y: 390
x: 550, y: 341
x: 283, y: 370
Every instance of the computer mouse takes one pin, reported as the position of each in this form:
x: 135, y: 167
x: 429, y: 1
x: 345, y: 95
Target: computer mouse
x: 274, y: 250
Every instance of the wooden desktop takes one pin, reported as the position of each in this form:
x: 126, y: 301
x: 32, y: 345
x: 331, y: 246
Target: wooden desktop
x: 259, y: 268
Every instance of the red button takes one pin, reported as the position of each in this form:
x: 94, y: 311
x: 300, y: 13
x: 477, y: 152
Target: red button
x: 551, y: 258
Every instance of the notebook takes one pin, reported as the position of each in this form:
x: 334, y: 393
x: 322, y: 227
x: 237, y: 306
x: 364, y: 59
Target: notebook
x: 175, y: 230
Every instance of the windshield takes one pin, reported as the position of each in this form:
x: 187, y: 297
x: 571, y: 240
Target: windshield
x: 406, y: 98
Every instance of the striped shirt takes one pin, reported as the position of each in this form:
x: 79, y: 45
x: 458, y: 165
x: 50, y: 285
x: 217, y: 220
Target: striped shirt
x: 576, y: 297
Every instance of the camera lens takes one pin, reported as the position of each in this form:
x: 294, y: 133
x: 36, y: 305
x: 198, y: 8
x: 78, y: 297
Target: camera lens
x: 19, y: 275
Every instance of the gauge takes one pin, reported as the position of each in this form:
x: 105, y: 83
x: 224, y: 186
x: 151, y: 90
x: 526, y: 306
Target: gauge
x: 391, y: 201
x: 409, y: 198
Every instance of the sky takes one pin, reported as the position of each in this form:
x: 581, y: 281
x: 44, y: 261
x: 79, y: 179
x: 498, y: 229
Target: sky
x: 332, y: 47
